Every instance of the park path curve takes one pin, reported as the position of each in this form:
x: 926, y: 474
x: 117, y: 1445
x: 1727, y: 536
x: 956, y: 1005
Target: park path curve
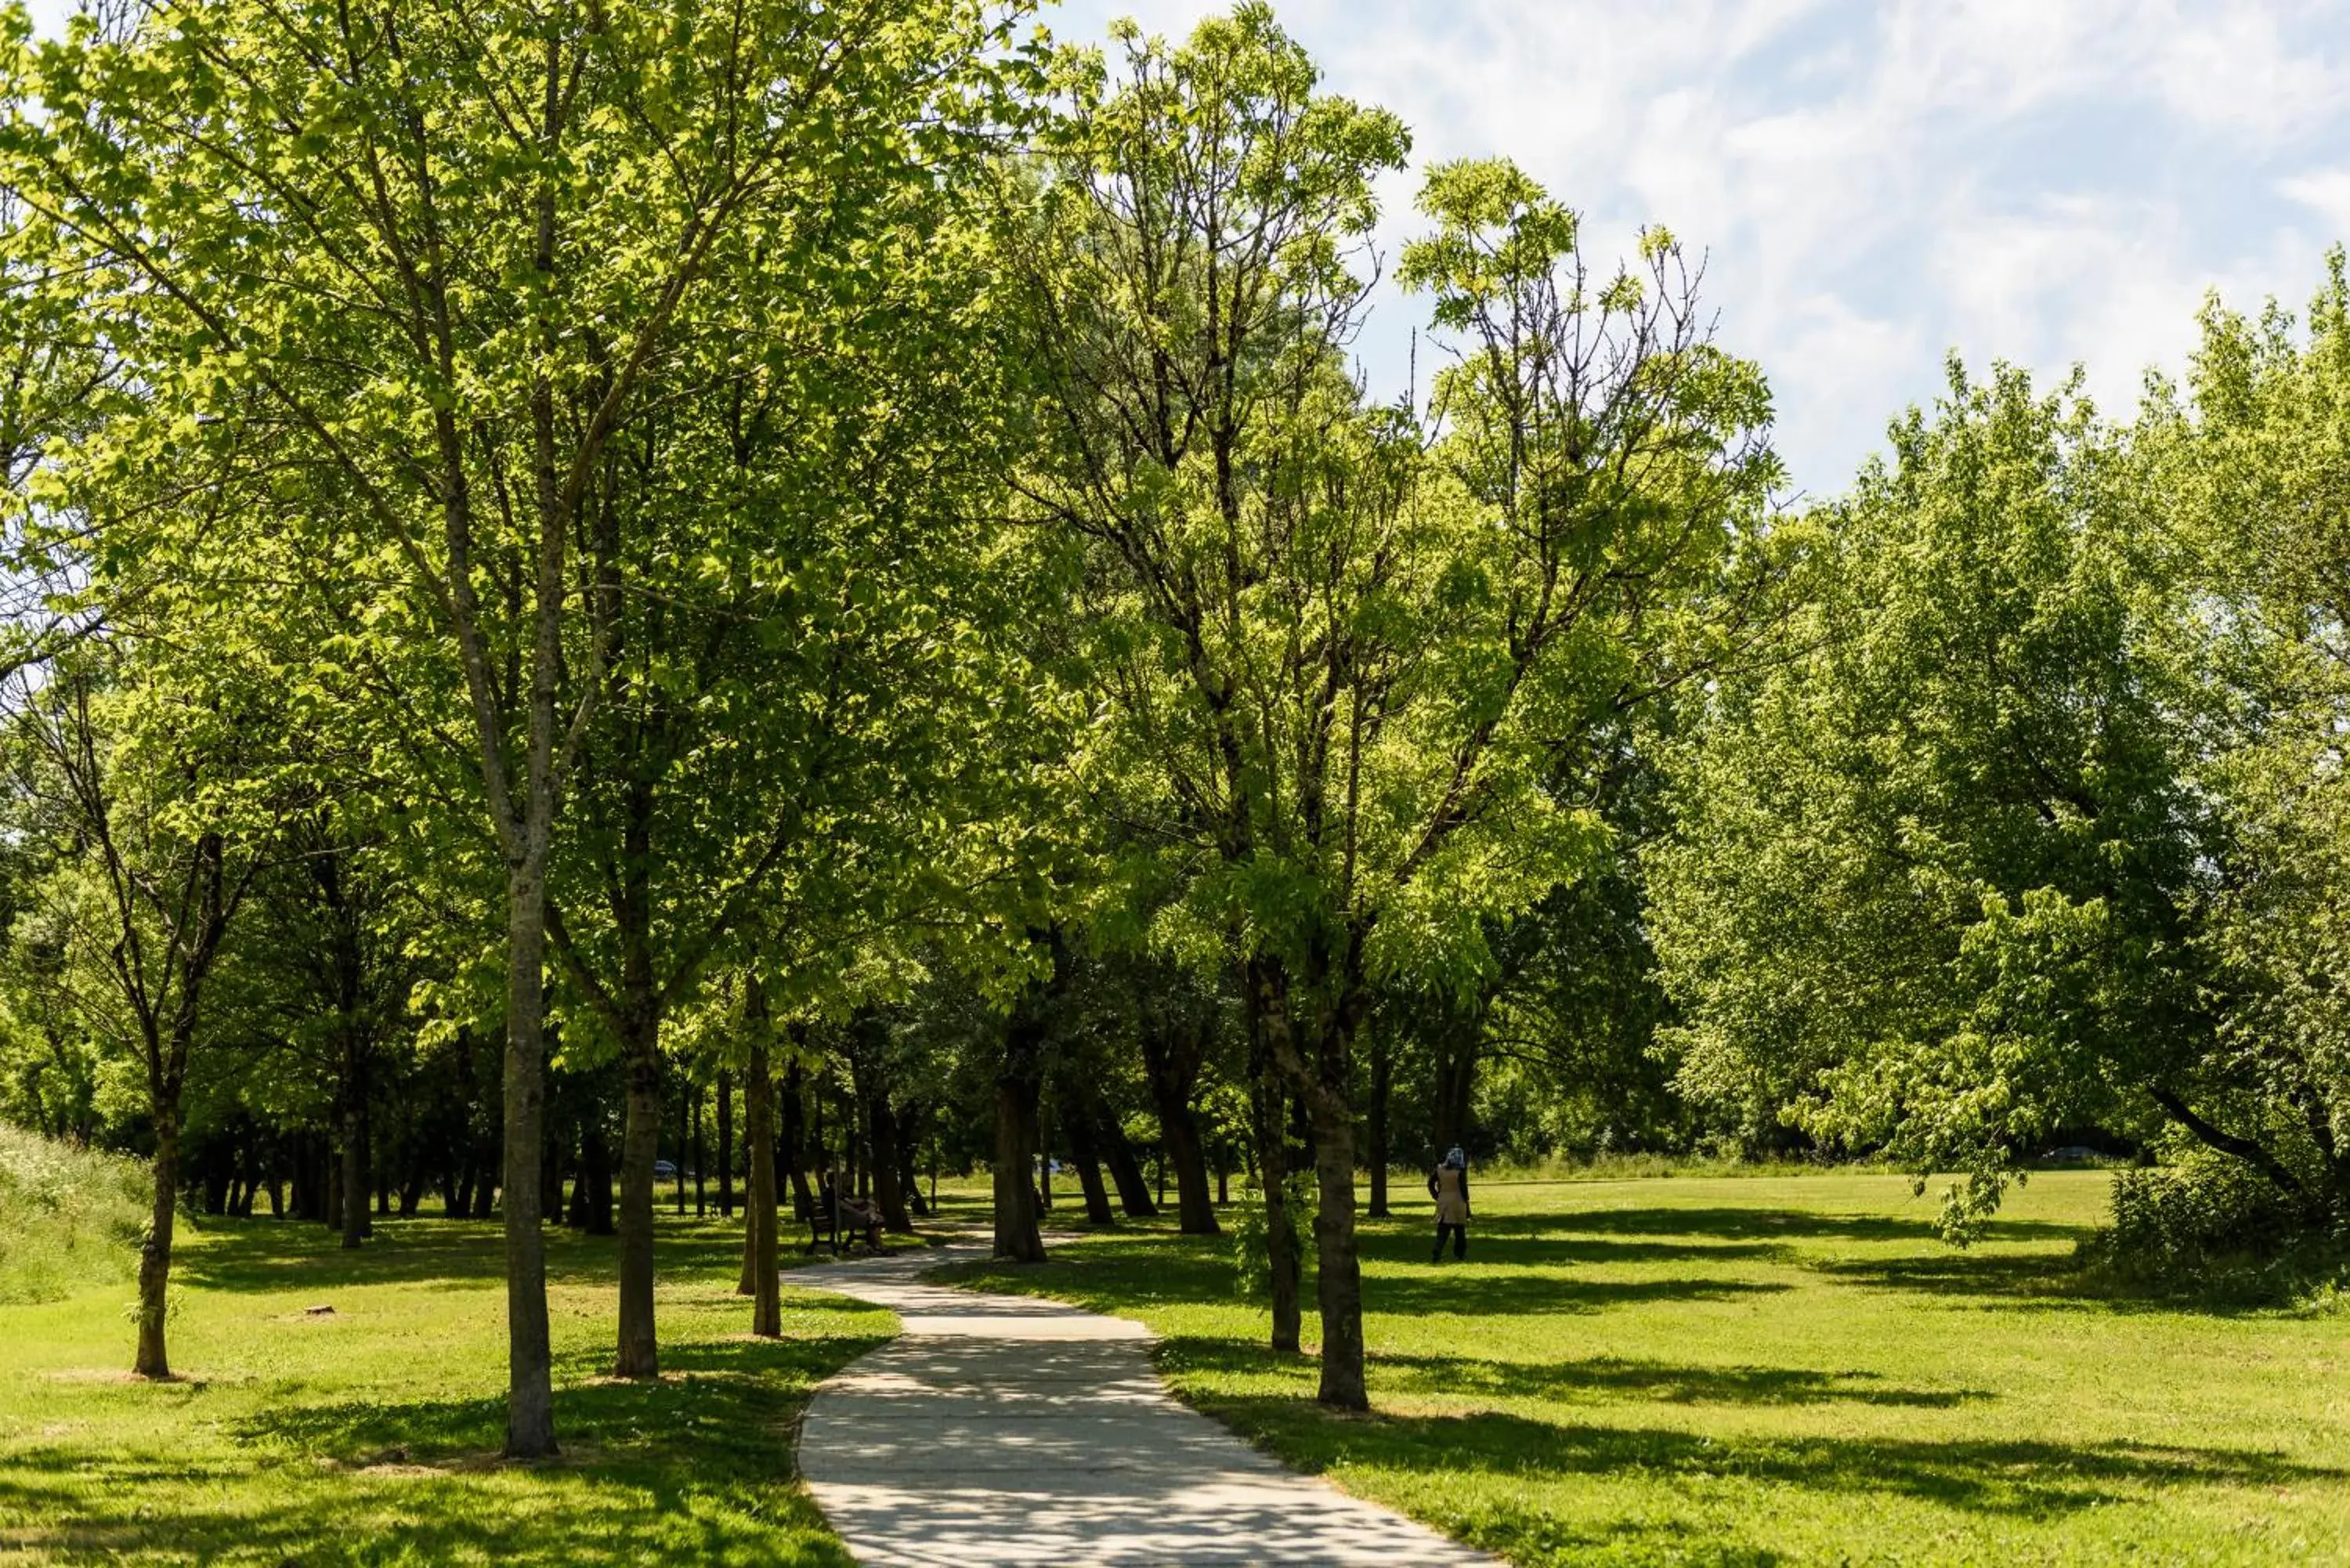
x: 1007, y: 1430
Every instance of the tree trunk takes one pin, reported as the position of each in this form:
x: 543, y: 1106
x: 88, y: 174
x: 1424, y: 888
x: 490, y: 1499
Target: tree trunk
x: 1327, y: 1092
x: 530, y: 1368
x: 1018, y: 1136
x: 1382, y: 1081
x: 1262, y: 1003
x: 1456, y: 1080
x: 888, y: 1173
x: 765, y: 1267
x: 598, y: 1155
x: 1338, y: 1274
x: 907, y: 1181
x: 725, y: 1143
x: 1044, y: 1159
x: 355, y: 1141
x: 1179, y: 1130
x: 155, y: 1249
x: 797, y: 1157
x: 1125, y: 1170
x: 1280, y: 1225
x: 1017, y: 1239
x: 369, y: 1163
x: 638, y: 1353
x: 700, y: 1159
x: 1084, y: 1153
x: 871, y: 1079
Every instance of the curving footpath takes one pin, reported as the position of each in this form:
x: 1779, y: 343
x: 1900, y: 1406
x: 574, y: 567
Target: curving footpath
x: 1006, y: 1430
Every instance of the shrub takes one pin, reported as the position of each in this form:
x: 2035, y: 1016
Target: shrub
x: 1252, y: 1241
x: 68, y: 1217
x: 2215, y: 1225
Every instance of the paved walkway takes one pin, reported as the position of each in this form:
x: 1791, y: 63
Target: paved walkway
x: 1004, y: 1430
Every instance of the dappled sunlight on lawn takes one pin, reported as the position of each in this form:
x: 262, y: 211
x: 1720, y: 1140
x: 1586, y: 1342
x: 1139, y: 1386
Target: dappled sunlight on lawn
x: 1767, y: 1370
x: 371, y: 1433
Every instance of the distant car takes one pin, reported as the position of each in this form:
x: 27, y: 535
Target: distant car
x: 664, y: 1169
x: 2074, y: 1153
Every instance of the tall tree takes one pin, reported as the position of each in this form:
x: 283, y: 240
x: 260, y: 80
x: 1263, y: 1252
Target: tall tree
x: 1344, y: 663
x: 1955, y: 874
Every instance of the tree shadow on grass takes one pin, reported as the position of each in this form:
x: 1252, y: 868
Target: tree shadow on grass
x: 289, y: 1256
x: 1525, y: 1239
x: 1586, y: 1380
x: 1741, y: 1224
x: 1497, y: 1288
x: 1118, y: 1274
x: 2025, y: 1279
x: 262, y: 1256
x: 2015, y: 1477
x: 695, y: 1466
x: 710, y: 1393
x: 593, y: 1514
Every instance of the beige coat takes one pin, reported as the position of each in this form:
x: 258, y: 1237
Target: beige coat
x: 1452, y: 1196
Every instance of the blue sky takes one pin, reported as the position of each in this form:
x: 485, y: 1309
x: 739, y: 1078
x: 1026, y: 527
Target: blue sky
x: 1878, y: 182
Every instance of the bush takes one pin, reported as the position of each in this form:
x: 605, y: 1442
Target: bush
x: 68, y: 1217
x: 2213, y: 1224
x: 1253, y: 1240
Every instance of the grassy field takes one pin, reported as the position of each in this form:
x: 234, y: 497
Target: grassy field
x: 1775, y: 1369
x: 368, y: 1435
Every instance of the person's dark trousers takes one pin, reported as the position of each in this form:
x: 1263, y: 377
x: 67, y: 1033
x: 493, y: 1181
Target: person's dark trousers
x: 1460, y: 1242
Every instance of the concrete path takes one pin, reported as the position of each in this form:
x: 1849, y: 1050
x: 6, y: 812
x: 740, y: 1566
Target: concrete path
x: 1001, y: 1430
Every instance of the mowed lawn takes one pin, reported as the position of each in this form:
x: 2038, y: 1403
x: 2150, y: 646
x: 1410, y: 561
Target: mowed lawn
x: 1753, y: 1370
x: 369, y: 1434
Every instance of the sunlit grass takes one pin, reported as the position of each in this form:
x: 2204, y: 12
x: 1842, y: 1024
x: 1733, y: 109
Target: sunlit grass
x: 368, y: 1435
x: 1775, y: 1369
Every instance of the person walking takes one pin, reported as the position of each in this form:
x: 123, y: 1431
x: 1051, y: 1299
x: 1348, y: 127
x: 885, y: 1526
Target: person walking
x: 1449, y: 1185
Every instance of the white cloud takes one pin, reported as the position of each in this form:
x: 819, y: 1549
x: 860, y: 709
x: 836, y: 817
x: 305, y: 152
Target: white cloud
x: 1881, y: 181
x: 2326, y: 193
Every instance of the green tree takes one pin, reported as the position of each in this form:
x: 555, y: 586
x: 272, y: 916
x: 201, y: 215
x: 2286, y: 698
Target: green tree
x: 2251, y: 475
x: 1341, y: 662
x: 1944, y: 875
x: 146, y: 782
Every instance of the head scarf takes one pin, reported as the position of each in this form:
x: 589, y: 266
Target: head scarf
x: 1455, y: 1158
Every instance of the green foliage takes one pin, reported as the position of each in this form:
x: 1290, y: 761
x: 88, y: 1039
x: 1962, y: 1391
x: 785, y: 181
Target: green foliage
x: 2036, y: 823
x: 1932, y: 885
x: 2206, y: 1224
x: 70, y: 1217
x: 1251, y: 1242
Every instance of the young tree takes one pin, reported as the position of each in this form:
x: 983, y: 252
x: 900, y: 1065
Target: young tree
x: 144, y: 788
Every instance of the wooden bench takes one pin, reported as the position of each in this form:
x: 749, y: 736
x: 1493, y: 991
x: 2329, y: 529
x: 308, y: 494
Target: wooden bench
x: 828, y: 1225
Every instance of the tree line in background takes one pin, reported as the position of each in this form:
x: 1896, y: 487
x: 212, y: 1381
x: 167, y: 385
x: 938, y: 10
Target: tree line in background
x: 802, y: 588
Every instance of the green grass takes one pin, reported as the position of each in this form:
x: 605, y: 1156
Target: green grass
x: 70, y: 1217
x: 1774, y: 1369
x: 369, y: 1435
